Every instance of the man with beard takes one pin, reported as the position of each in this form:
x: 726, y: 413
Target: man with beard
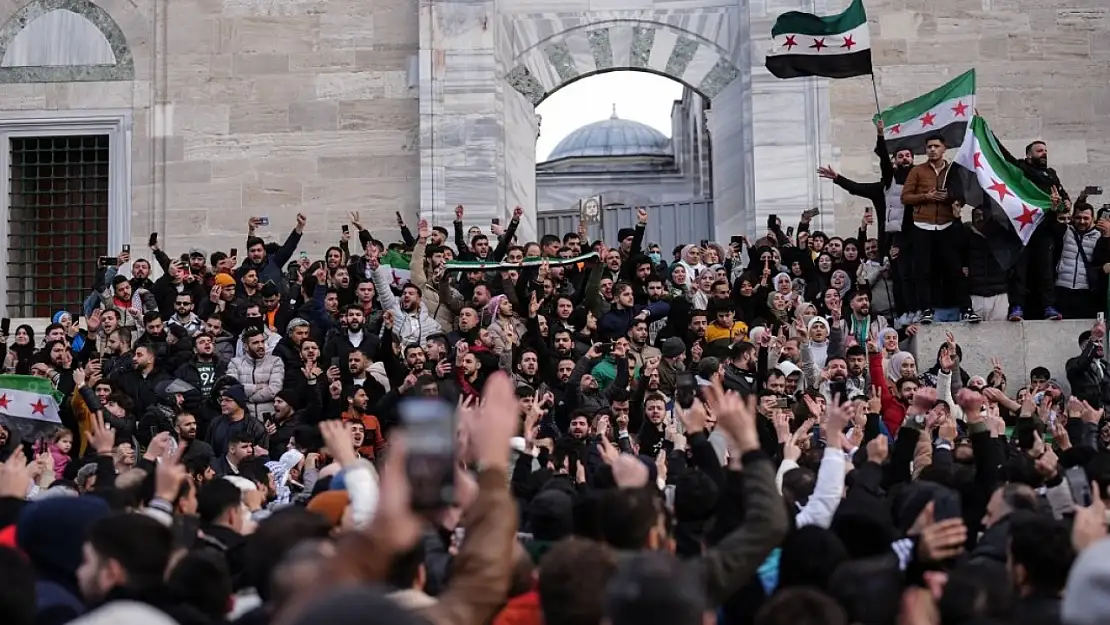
x: 128, y: 302
x: 861, y: 324
x: 638, y: 347
x: 740, y: 372
x: 1088, y: 373
x: 856, y: 360
x: 564, y: 344
x: 170, y: 343
x: 469, y: 322
x: 201, y: 372
x: 141, y: 381
x: 224, y: 341
x: 185, y: 429
x: 1033, y: 273
x: 886, y: 195
x: 356, y: 400
x: 117, y: 353
x: 1080, y: 283
x: 357, y: 336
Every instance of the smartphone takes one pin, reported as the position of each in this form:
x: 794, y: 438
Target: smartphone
x: 867, y: 209
x: 430, y: 432
x: 947, y: 506
x: 496, y: 221
x: 703, y: 244
x: 263, y: 221
x: 782, y: 402
x: 107, y: 261
x: 153, y: 240
x: 1080, y: 485
x: 267, y: 417
x: 346, y: 228
x: 1092, y: 190
x: 335, y: 361
x: 738, y: 240
x: 234, y: 252
x: 605, y: 348
x: 304, y: 254
x: 399, y: 218
x: 685, y: 389
x: 811, y: 213
x: 790, y: 231
x: 126, y: 248
x: 5, y: 325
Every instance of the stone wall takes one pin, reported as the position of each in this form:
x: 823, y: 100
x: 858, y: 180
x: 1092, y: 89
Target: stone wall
x: 1019, y: 346
x: 1043, y: 72
x: 258, y: 107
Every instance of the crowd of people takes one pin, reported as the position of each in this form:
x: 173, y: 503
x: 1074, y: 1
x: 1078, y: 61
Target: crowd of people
x: 737, y: 435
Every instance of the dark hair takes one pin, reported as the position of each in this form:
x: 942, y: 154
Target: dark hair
x: 215, y: 498
x: 654, y: 587
x: 1032, y: 144
x: 272, y: 540
x: 570, y: 236
x: 1043, y: 547
x: 255, y: 470
x: 572, y: 581
x: 141, y: 546
x: 240, y: 437
x: 253, y: 241
x: 800, y: 606
x: 478, y: 237
x: 148, y: 317
x: 17, y: 588
x: 936, y: 137
x: 405, y: 567
x: 549, y: 239
x: 202, y: 579
x: 626, y: 517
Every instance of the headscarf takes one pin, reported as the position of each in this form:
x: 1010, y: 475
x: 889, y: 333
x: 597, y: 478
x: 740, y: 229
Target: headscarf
x: 24, y: 353
x: 281, y: 470
x: 894, y: 366
x: 691, y: 270
x: 819, y: 351
x: 847, y: 282
x: 882, y: 339
x: 77, y: 341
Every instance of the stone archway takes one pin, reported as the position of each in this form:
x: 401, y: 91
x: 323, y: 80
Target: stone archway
x: 485, y: 64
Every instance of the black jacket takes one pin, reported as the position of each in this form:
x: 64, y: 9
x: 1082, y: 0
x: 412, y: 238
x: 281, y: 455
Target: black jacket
x: 985, y: 276
x: 1089, y: 378
x: 141, y: 390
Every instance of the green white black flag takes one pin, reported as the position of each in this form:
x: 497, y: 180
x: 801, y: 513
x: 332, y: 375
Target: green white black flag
x: 834, y: 46
x: 944, y: 111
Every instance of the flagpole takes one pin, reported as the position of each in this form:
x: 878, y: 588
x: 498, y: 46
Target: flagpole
x: 875, y: 90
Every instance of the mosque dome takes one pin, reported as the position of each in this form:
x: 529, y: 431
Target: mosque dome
x: 612, y: 137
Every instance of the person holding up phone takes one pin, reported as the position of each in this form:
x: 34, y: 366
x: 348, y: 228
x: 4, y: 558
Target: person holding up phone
x: 271, y: 268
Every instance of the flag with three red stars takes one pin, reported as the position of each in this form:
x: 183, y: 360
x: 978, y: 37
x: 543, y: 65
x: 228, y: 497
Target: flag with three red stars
x: 944, y: 111
x: 984, y: 180
x: 833, y: 46
x: 31, y: 400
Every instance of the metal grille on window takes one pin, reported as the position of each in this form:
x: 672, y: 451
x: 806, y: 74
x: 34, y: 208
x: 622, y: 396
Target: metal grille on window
x: 57, y: 222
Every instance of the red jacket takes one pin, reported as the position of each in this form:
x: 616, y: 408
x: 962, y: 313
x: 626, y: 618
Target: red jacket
x: 894, y: 412
x: 521, y: 610
x: 373, y: 443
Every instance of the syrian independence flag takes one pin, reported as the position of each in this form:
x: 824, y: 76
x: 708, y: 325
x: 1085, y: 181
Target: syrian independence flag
x: 1001, y: 190
x: 399, y: 263
x: 471, y: 265
x: 30, y: 403
x: 945, y: 111
x: 837, y: 46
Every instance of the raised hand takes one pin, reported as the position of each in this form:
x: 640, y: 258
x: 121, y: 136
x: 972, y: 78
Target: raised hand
x: 641, y: 215
x: 355, y: 221
x: 518, y: 212
x: 423, y: 231
x: 827, y: 172
x: 337, y: 440
x: 459, y: 212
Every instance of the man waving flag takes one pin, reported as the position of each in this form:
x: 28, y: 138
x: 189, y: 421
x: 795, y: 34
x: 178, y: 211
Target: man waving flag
x: 836, y: 46
x: 990, y: 182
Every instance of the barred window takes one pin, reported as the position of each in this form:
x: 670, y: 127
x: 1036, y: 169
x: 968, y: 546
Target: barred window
x: 57, y: 221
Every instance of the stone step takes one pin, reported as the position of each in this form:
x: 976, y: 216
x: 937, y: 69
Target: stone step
x: 1019, y: 346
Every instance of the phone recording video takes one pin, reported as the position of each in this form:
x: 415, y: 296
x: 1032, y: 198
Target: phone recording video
x: 686, y: 389
x: 429, y: 426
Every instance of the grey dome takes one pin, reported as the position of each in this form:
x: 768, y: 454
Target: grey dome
x: 612, y: 137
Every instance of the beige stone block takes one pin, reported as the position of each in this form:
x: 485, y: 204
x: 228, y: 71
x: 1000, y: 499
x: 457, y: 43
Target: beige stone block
x: 323, y: 61
x: 169, y: 149
x: 1068, y: 152
x: 237, y: 170
x: 1007, y: 128
x: 303, y: 169
x: 898, y: 25
x: 271, y: 34
x: 184, y: 222
x: 889, y: 52
x: 209, y: 119
x: 344, y: 30
x: 188, y: 172
x: 933, y: 52
x: 363, y: 167
x: 371, y: 196
x: 101, y: 95
x: 970, y: 24
x: 350, y: 85
x: 270, y: 193
x: 214, y: 196
x: 386, y: 56
x: 259, y: 118
x: 253, y: 64
x: 401, y: 115
x: 396, y: 22
x: 23, y: 96
x: 192, y: 33
x: 1060, y: 46
x: 314, y: 116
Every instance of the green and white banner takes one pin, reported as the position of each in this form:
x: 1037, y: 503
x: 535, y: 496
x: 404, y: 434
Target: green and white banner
x: 944, y: 111
x: 29, y: 397
x: 504, y: 265
x: 833, y: 46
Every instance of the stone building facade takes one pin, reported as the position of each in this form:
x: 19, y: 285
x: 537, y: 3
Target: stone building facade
x: 215, y: 110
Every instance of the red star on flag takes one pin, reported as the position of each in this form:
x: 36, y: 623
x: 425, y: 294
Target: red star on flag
x: 790, y: 43
x: 927, y: 119
x: 4, y: 401
x: 1026, y: 217
x: 975, y: 160
x: 960, y: 109
x: 818, y: 44
x: 1000, y: 189
x: 38, y: 407
x: 396, y: 278
x: 848, y: 42
x: 895, y: 129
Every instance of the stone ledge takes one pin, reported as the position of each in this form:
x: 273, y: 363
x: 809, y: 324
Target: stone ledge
x: 1020, y: 346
